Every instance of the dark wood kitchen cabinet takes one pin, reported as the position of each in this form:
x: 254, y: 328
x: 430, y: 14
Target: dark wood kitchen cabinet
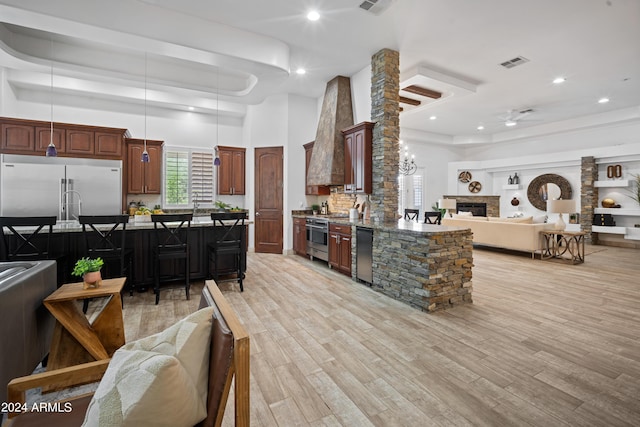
x: 340, y: 248
x: 31, y: 137
x: 108, y: 144
x: 80, y: 142
x: 358, y: 158
x: 300, y: 236
x: 17, y: 137
x: 144, y: 178
x: 231, y: 172
x: 312, y: 190
x: 43, y: 138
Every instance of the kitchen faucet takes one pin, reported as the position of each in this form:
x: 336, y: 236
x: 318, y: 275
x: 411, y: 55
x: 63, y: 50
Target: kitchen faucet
x: 195, y: 197
x: 65, y: 203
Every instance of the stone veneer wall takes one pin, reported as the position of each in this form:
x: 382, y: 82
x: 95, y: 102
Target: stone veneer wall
x: 429, y: 271
x: 588, y: 196
x: 493, y: 202
x: 385, y: 113
x: 339, y: 202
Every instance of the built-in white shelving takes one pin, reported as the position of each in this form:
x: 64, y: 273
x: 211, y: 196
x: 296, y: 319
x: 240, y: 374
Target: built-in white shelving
x: 633, y: 233
x: 612, y: 183
x: 607, y: 229
x: 618, y: 211
x: 512, y: 187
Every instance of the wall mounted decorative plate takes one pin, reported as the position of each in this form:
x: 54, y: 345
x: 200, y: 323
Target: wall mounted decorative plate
x: 475, y: 187
x: 464, y: 176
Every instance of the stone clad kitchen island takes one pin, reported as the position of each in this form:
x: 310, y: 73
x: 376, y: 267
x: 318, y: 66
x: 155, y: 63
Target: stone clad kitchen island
x: 426, y: 266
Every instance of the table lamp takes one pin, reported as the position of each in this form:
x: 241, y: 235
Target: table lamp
x: 560, y: 207
x: 447, y: 204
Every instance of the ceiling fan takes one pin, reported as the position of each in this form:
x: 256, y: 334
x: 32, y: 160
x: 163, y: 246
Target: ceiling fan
x: 513, y: 117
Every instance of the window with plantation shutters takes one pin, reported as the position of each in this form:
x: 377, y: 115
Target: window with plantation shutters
x: 176, y: 182
x: 189, y: 177
x: 202, y: 177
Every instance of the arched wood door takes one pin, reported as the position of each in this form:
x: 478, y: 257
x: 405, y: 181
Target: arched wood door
x: 269, y: 201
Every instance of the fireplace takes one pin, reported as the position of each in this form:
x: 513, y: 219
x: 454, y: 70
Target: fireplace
x: 476, y: 209
x: 492, y: 203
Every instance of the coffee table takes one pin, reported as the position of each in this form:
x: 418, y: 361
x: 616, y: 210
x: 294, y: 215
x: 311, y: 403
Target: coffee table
x: 77, y: 340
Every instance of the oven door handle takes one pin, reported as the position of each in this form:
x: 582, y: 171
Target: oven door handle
x: 319, y: 227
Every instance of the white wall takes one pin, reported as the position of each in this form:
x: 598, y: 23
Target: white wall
x: 361, y: 95
x: 288, y: 121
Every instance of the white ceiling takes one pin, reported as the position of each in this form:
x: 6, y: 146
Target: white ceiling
x: 227, y: 54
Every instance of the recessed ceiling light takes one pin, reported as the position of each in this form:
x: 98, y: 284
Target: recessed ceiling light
x: 432, y: 118
x: 301, y: 71
x: 191, y: 108
x: 603, y: 100
x: 559, y: 80
x: 313, y: 15
x: 480, y: 127
x: 510, y: 123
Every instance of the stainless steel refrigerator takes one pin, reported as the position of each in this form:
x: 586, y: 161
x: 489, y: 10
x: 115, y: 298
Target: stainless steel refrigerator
x: 61, y: 186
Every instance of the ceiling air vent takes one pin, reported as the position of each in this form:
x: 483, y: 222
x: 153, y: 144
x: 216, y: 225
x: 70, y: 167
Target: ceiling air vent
x: 375, y: 6
x: 518, y: 60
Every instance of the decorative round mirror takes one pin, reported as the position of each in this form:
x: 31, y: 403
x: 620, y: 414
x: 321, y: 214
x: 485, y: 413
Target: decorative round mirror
x: 548, y: 187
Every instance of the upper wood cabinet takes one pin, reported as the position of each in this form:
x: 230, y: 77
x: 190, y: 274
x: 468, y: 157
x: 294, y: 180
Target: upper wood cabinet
x: 358, y: 158
x: 31, y: 137
x: 80, y: 142
x: 17, y: 137
x: 43, y: 138
x: 231, y: 172
x: 108, y: 144
x: 312, y: 190
x: 144, y: 178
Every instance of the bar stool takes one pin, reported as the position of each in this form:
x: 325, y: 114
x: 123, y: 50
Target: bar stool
x: 228, y: 242
x: 433, y: 218
x: 411, y: 214
x: 109, y: 243
x: 171, y: 233
x: 29, y: 239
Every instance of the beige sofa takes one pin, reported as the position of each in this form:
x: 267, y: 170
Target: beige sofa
x: 519, y: 234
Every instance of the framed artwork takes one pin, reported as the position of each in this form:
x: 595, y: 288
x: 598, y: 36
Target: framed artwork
x: 574, y: 218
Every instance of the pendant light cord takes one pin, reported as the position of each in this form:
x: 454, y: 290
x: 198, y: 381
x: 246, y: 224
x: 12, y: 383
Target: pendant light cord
x: 145, y: 102
x: 51, y: 94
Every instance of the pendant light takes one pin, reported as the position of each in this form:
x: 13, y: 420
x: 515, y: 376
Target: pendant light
x: 145, y: 154
x: 51, y: 148
x: 216, y: 161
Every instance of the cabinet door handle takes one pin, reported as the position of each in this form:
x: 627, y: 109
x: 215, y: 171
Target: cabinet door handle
x: 345, y: 238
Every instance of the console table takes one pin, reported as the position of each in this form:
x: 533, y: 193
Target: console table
x: 564, y: 245
x: 77, y: 340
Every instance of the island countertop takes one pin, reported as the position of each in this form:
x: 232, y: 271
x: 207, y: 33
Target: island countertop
x: 401, y: 225
x: 67, y: 241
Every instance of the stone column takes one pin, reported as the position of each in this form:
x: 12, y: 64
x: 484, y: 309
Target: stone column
x: 385, y: 113
x: 588, y: 196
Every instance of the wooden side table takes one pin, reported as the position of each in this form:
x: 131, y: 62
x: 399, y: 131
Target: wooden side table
x: 564, y: 245
x: 77, y: 340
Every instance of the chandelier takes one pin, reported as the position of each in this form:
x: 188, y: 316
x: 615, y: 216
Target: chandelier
x: 407, y: 167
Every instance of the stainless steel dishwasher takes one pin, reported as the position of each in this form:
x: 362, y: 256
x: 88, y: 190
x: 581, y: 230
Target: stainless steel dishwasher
x: 364, y: 254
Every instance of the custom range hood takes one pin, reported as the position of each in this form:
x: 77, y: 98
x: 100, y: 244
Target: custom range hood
x: 326, y: 166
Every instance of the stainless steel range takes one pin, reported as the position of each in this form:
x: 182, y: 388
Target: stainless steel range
x: 318, y: 238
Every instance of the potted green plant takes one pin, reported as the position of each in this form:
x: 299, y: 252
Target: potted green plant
x: 89, y: 270
x: 634, y: 193
x: 221, y: 206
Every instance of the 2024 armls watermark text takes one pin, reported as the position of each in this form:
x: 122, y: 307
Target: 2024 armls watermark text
x: 36, y: 407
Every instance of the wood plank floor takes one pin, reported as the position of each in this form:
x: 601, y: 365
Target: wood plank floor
x: 543, y: 344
